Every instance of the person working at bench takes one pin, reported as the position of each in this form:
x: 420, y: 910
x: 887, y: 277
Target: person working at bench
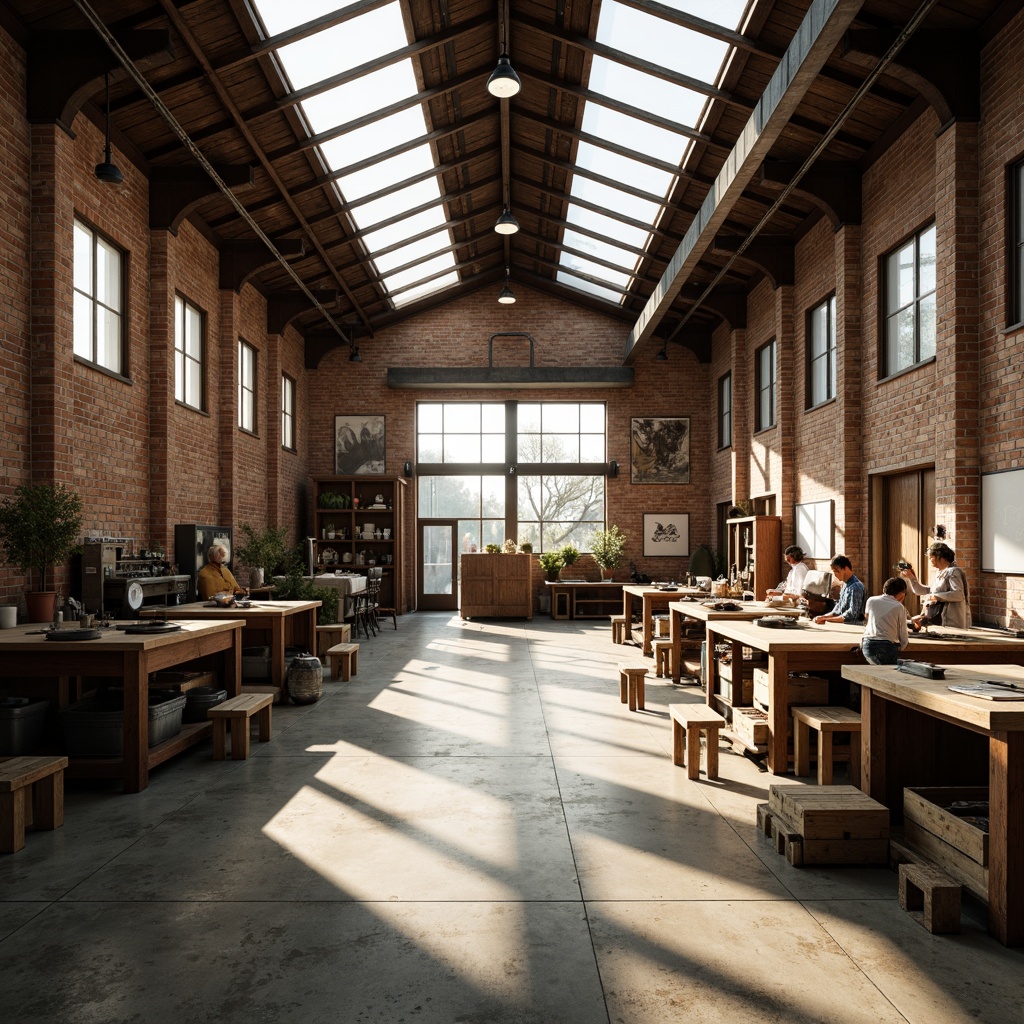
x: 849, y: 606
x: 946, y: 600
x: 215, y: 577
x: 791, y: 589
x: 886, y: 633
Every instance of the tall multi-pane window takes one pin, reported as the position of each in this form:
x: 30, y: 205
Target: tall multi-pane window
x: 247, y: 387
x: 534, y: 471
x: 1015, y: 312
x: 764, y: 386
x: 99, y: 300
x: 821, y: 353
x: 725, y: 411
x: 910, y: 303
x: 287, y: 412
x: 189, y: 355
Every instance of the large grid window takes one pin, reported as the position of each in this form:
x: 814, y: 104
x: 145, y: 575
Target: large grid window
x: 1016, y: 303
x: 910, y: 303
x: 247, y: 387
x: 725, y: 411
x: 287, y: 412
x: 821, y: 353
x: 534, y: 471
x: 764, y: 386
x: 189, y: 354
x: 99, y: 300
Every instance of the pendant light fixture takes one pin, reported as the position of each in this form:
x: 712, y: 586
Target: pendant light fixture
x: 354, y: 356
x: 662, y: 356
x: 107, y: 171
x: 505, y: 297
x: 504, y: 82
x: 506, y: 224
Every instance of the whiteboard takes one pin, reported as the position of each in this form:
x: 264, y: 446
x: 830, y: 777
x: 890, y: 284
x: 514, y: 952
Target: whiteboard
x: 1002, y: 521
x: 814, y: 529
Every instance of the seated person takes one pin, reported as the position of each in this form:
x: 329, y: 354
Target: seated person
x: 215, y: 577
x: 886, y: 633
x: 850, y: 605
x: 791, y: 589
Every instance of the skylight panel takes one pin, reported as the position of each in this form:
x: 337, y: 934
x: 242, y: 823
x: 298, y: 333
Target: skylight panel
x: 405, y: 228
x: 616, y: 200
x: 571, y: 281
x: 412, y: 252
x: 629, y: 131
x: 363, y: 143
x: 623, y: 168
x: 598, y: 249
x: 448, y: 281
x: 363, y: 96
x: 386, y: 173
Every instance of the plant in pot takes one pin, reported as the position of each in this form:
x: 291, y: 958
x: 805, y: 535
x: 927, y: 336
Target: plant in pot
x: 607, y: 547
x: 262, y: 551
x: 39, y: 529
x: 492, y: 549
x: 551, y: 562
x: 569, y: 555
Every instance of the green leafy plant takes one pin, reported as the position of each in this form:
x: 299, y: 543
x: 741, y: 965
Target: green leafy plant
x: 607, y: 547
x: 492, y: 549
x: 335, y: 499
x: 526, y: 547
x: 40, y: 526
x: 569, y: 554
x: 294, y: 587
x: 551, y: 562
x: 262, y: 549
x: 509, y: 547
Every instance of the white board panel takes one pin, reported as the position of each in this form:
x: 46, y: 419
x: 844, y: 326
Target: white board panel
x: 814, y: 529
x: 1002, y: 522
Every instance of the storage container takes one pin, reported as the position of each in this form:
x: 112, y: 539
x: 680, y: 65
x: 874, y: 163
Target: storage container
x: 256, y: 663
x: 199, y: 700
x: 21, y: 724
x: 91, y: 732
x: 802, y: 689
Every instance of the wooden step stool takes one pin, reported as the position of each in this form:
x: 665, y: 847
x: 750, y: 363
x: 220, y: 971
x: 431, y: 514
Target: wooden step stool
x: 931, y: 897
x: 688, y: 722
x: 238, y: 711
x: 631, y: 685
x: 619, y: 629
x: 826, y: 721
x: 328, y: 636
x: 347, y: 655
x: 31, y: 793
x: 662, y: 657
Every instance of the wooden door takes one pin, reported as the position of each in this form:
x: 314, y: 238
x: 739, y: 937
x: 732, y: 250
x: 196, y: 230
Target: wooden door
x: 903, y: 507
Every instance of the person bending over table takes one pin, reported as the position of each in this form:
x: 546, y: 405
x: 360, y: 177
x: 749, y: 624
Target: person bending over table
x: 946, y: 600
x: 886, y: 633
x: 215, y: 577
x: 849, y: 607
x: 792, y: 588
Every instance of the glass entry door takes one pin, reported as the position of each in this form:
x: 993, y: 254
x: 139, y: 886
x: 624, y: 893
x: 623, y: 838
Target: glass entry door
x: 438, y: 571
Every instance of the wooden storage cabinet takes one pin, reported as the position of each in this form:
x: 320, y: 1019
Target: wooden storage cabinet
x: 497, y: 585
x: 350, y: 523
x: 755, y: 546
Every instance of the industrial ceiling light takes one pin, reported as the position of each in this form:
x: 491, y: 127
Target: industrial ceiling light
x: 107, y: 171
x: 504, y: 82
x: 506, y: 298
x: 354, y: 356
x: 662, y: 356
x: 507, y: 224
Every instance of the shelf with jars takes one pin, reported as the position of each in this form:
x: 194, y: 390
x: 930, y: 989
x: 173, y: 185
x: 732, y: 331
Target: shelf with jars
x: 357, y: 522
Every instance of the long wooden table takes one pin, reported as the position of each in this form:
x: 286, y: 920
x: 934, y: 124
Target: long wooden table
x: 286, y: 622
x: 652, y: 599
x: 703, y: 611
x: 828, y: 647
x: 129, y: 658
x: 897, y: 750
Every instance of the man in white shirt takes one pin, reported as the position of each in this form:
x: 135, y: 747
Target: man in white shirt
x: 791, y: 589
x: 886, y: 633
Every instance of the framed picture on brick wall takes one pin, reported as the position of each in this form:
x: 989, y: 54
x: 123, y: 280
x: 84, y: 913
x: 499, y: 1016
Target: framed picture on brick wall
x: 659, y: 450
x: 358, y: 445
x: 666, y: 534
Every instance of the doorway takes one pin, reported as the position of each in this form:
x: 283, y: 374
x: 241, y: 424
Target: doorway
x: 437, y: 580
x: 903, y: 507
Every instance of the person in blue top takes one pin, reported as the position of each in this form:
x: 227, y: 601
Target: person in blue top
x: 850, y: 605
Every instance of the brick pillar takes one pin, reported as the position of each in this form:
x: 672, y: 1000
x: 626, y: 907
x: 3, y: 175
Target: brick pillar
x: 161, y: 388
x: 741, y: 416
x: 787, y: 403
x: 851, y: 486
x: 225, y: 400
x: 954, y: 411
x: 273, y: 428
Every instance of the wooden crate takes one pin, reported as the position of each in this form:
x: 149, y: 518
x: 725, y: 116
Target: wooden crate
x: 751, y: 726
x: 182, y: 681
x: 802, y: 689
x: 949, y: 842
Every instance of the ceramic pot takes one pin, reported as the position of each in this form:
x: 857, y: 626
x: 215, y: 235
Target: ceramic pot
x: 41, y: 606
x: 305, y: 679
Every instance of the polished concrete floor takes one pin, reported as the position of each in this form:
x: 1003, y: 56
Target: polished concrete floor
x: 472, y: 831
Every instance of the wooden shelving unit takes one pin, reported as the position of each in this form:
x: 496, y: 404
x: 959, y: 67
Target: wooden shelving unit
x: 755, y: 546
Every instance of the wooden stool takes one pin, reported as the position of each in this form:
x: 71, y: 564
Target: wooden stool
x: 688, y: 722
x: 31, y: 793
x: 619, y: 629
x: 826, y: 721
x: 662, y: 657
x: 328, y: 636
x: 238, y: 710
x: 348, y: 657
x: 631, y: 685
x: 931, y: 897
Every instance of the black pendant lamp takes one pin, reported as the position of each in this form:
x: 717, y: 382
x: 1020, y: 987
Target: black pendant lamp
x: 505, y: 296
x: 506, y: 224
x: 107, y: 171
x: 504, y: 82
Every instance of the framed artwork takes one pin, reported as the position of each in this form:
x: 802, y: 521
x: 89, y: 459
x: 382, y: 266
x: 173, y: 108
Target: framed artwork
x: 659, y: 450
x: 666, y: 533
x: 358, y: 445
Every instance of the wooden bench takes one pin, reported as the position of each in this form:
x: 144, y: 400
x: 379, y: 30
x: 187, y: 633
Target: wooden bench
x: 347, y: 656
x: 238, y: 711
x: 662, y: 657
x: 31, y: 794
x: 826, y: 721
x: 931, y: 897
x: 619, y: 629
x: 328, y: 636
x: 631, y: 685
x: 688, y: 722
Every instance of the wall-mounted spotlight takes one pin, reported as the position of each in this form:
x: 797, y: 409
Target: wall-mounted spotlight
x: 505, y: 297
x: 613, y: 469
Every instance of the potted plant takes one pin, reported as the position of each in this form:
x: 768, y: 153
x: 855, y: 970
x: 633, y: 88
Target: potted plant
x: 39, y: 529
x: 607, y: 547
x: 551, y: 562
x: 492, y: 549
x: 569, y: 554
x: 262, y: 551
x: 509, y: 547
x: 330, y: 531
x: 526, y: 547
